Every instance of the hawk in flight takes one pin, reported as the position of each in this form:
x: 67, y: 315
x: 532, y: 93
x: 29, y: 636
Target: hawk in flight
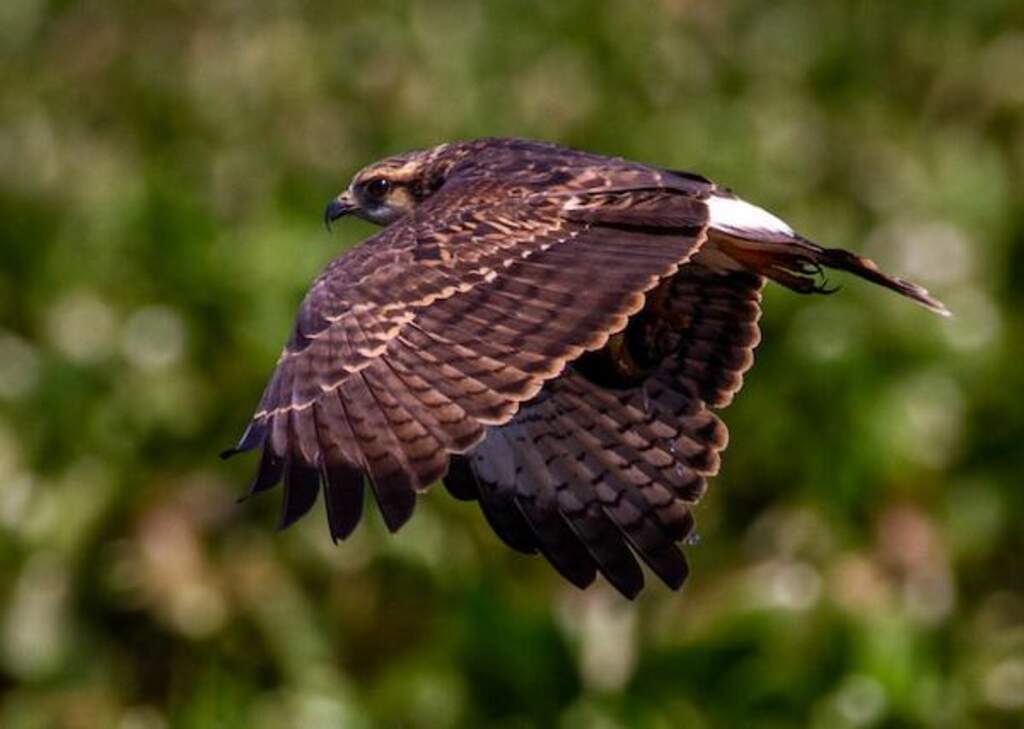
x: 548, y: 332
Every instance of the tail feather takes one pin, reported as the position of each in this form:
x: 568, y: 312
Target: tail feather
x: 866, y: 269
x: 798, y: 264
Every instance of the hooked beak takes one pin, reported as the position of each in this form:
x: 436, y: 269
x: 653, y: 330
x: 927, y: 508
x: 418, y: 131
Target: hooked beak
x: 338, y: 207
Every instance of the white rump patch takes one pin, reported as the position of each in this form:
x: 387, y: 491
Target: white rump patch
x: 738, y: 217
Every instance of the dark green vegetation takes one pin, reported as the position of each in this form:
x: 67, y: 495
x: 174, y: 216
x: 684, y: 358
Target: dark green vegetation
x: 163, y: 168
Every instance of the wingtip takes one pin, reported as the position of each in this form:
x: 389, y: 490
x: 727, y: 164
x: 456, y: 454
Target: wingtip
x: 253, y: 437
x: 630, y: 592
x: 396, y: 520
x: 676, y: 582
x: 396, y: 502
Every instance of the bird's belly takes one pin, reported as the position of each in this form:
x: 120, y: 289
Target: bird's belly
x: 631, y: 355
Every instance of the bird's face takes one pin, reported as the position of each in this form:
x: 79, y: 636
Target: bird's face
x: 388, y: 190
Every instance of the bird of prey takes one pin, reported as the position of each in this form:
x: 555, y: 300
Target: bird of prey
x: 549, y: 332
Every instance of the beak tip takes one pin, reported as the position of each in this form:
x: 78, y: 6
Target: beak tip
x: 335, y: 209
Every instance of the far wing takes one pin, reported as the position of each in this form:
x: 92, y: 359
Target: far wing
x: 591, y: 476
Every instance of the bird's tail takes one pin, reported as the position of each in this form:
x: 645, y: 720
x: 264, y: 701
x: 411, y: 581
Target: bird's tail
x: 799, y: 264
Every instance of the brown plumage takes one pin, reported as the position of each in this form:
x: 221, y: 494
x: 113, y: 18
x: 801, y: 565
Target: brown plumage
x: 545, y: 330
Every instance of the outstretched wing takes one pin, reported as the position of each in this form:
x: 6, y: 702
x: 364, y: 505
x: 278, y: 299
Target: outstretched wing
x: 408, y: 347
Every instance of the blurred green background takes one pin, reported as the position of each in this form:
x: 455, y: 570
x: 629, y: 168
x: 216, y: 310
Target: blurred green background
x: 163, y: 168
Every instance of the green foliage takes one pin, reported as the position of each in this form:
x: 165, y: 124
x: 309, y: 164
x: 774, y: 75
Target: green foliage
x: 164, y: 165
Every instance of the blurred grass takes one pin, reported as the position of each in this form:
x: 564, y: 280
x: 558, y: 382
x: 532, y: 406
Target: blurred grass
x: 164, y: 167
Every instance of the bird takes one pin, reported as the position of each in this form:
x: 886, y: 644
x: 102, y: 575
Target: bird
x: 548, y: 332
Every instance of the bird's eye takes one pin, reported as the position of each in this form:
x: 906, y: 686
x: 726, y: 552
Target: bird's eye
x: 377, y: 187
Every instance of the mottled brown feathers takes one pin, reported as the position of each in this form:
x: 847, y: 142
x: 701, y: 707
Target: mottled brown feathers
x: 547, y: 331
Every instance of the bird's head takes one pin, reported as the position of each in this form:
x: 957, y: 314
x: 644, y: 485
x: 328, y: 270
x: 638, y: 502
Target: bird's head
x: 390, y: 189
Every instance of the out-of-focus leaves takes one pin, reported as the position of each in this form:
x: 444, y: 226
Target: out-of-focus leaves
x: 163, y: 170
